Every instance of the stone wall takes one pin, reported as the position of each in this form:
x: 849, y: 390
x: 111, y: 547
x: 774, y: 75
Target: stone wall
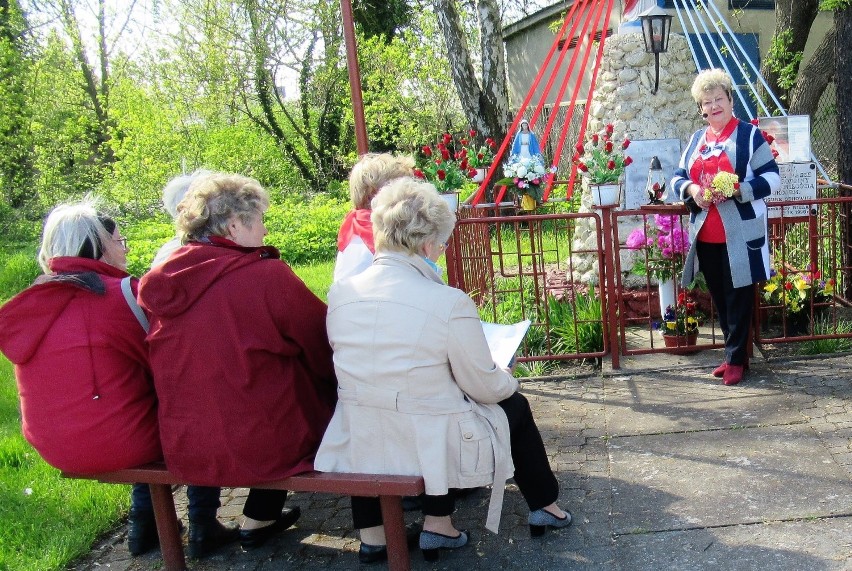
x: 623, y: 97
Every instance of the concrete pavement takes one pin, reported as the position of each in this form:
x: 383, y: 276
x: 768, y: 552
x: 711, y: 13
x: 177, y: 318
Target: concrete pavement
x: 662, y: 466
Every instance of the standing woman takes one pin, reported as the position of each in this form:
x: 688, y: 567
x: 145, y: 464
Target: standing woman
x: 729, y: 238
x: 239, y: 352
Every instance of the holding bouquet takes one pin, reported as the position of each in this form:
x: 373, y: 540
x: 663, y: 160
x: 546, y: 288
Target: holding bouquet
x: 721, y: 188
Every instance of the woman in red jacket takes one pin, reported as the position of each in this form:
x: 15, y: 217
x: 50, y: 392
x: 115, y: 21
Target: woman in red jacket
x: 81, y: 364
x: 239, y: 351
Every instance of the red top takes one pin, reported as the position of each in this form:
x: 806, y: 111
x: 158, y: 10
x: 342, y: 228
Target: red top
x: 703, y: 169
x: 241, y: 364
x: 87, y: 400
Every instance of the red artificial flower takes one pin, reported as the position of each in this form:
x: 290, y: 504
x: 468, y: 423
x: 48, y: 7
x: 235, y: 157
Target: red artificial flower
x: 736, y: 186
x: 463, y: 164
x: 575, y: 158
x: 445, y: 154
x: 582, y: 167
x: 536, y: 181
x: 774, y: 154
x: 441, y: 145
x: 788, y: 286
x: 610, y: 164
x: 595, y: 139
x: 625, y: 144
x: 490, y: 142
x: 580, y: 149
x: 471, y: 173
x: 447, y: 138
x: 480, y: 156
x: 419, y: 174
x: 427, y: 150
x: 464, y: 141
x: 656, y: 186
x: 463, y: 153
x: 769, y: 138
x: 681, y: 298
x: 438, y: 160
x: 755, y: 122
x: 627, y: 161
x: 816, y: 274
x: 472, y: 133
x: 609, y: 128
x: 608, y: 146
x: 442, y: 174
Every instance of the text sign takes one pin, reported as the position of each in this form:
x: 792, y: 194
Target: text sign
x: 798, y: 182
x: 636, y: 173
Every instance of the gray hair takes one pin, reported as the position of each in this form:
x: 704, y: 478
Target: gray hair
x: 709, y: 80
x: 407, y: 214
x: 71, y: 229
x: 213, y: 201
x: 175, y: 189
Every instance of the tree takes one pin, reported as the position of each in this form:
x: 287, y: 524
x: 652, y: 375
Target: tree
x: 16, y: 147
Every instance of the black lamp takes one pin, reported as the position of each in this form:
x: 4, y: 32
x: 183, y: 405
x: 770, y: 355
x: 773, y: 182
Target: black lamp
x: 656, y: 27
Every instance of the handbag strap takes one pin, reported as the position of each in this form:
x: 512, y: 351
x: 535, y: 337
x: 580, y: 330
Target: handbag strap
x: 134, y: 305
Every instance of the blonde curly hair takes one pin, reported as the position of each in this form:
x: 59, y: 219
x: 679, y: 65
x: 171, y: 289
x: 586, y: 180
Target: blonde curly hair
x: 212, y: 201
x: 708, y: 80
x: 407, y: 214
x: 372, y: 171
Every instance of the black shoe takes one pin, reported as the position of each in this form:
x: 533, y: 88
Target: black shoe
x: 207, y: 535
x: 377, y: 553
x: 142, y: 536
x: 253, y: 538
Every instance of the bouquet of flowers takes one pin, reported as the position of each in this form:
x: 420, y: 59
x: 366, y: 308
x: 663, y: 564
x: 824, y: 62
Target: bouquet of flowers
x: 793, y: 290
x: 446, y: 165
x: 683, y: 318
x: 602, y: 161
x: 527, y: 175
x: 721, y: 187
x: 666, y: 244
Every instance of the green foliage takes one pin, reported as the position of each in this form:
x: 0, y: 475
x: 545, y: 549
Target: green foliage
x: 305, y: 231
x: 576, y: 327
x: 835, y: 5
x: 784, y: 62
x: 144, y: 239
x: 824, y: 326
x: 17, y: 272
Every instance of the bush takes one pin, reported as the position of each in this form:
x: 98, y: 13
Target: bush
x: 305, y: 231
x: 17, y: 273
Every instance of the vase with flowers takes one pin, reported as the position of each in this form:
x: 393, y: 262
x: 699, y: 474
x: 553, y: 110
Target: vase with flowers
x: 601, y: 162
x: 665, y: 246
x: 479, y: 156
x: 527, y: 176
x: 446, y: 165
x: 680, y: 322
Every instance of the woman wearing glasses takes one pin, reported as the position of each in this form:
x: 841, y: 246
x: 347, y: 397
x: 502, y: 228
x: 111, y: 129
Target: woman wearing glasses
x: 728, y: 236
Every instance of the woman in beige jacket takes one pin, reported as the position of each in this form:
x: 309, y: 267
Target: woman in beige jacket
x: 419, y: 393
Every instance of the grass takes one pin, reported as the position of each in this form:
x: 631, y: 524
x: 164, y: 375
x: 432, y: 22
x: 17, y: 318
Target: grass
x: 824, y: 326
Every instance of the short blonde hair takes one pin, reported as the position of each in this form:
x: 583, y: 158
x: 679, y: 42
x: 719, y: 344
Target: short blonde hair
x: 407, y: 214
x: 708, y: 80
x: 372, y: 171
x: 74, y: 229
x: 212, y: 201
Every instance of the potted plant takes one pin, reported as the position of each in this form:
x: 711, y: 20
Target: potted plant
x: 601, y: 163
x: 666, y: 245
x: 680, y: 322
x: 478, y: 157
x: 527, y: 176
x: 447, y: 166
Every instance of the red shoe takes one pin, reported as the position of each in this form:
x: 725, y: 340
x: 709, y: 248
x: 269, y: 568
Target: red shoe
x: 733, y: 374
x: 719, y: 371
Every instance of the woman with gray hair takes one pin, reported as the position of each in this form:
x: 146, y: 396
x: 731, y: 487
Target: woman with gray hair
x: 727, y: 234
x: 87, y: 397
x: 419, y: 393
x: 173, y: 193
x: 239, y: 352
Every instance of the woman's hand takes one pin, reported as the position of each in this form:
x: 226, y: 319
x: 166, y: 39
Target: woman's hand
x: 697, y: 194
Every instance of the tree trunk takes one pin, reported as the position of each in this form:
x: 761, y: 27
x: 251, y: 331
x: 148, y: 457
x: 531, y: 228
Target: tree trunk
x: 814, y: 77
x: 484, y: 108
x: 797, y: 17
x: 843, y: 24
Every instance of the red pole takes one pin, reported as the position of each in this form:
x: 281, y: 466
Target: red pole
x: 354, y: 77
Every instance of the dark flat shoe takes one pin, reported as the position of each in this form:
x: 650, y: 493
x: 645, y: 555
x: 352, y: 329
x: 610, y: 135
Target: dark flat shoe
x: 376, y: 553
x: 142, y: 535
x: 254, y: 538
x: 208, y: 535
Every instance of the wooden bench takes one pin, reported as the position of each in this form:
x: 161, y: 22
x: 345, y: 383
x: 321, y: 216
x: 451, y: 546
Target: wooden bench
x: 389, y: 490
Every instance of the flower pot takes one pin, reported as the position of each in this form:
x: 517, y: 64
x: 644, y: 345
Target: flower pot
x: 680, y: 340
x: 605, y: 194
x: 667, y: 294
x: 480, y: 174
x: 452, y: 200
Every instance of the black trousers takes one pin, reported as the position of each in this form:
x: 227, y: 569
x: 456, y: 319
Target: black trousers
x: 533, y: 475
x: 733, y: 305
x: 264, y: 505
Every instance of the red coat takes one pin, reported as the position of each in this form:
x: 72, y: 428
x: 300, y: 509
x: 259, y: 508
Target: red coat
x: 87, y: 399
x: 241, y: 364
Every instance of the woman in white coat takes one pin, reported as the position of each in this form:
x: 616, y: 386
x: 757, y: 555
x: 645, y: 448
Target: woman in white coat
x: 419, y: 393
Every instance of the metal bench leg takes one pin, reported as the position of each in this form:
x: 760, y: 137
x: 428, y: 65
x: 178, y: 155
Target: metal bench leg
x: 398, y: 559
x: 171, y: 546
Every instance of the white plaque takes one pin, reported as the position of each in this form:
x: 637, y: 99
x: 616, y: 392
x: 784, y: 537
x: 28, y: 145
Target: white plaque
x: 792, y: 137
x: 798, y: 182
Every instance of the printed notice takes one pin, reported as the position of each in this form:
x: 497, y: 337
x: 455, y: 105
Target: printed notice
x: 798, y: 182
x: 504, y: 340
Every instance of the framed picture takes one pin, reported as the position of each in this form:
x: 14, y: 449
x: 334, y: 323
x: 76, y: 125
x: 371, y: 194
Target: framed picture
x: 792, y: 137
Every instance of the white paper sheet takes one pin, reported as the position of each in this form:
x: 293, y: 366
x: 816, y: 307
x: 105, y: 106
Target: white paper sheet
x: 504, y: 340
